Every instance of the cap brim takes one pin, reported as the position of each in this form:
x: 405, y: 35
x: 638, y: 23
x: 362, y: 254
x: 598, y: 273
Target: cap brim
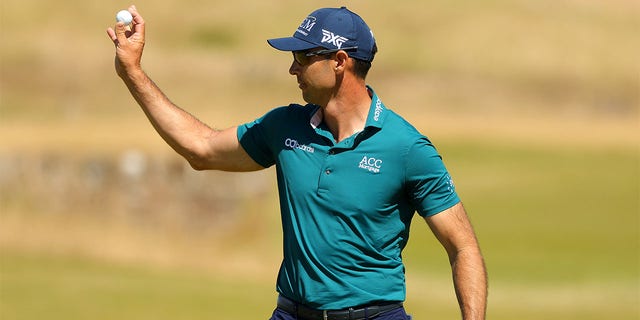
x: 291, y: 44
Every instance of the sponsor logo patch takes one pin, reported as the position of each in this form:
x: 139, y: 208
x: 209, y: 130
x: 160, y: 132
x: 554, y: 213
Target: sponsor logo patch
x: 306, y: 25
x: 378, y: 111
x: 370, y: 164
x: 334, y: 39
x: 294, y: 144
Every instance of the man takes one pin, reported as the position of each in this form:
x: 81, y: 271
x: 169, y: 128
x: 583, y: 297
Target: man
x: 351, y: 173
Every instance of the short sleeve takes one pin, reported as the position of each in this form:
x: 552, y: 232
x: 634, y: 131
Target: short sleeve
x: 428, y: 182
x: 254, y: 138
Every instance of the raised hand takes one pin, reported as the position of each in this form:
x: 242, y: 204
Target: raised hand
x: 129, y: 42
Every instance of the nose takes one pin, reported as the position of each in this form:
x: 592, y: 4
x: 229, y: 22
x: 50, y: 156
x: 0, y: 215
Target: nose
x: 294, y: 69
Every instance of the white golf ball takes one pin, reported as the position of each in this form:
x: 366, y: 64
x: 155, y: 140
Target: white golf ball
x: 124, y: 16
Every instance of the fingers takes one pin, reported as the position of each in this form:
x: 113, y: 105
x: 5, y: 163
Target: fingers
x: 122, y: 32
x: 137, y: 18
x: 119, y: 34
x: 138, y: 21
x: 111, y: 34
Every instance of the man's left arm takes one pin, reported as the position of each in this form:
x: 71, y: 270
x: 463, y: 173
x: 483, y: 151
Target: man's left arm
x: 454, y: 231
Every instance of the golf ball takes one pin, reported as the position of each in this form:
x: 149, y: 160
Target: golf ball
x: 124, y: 16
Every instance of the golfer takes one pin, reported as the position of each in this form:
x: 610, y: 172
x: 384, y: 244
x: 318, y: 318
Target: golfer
x: 351, y: 174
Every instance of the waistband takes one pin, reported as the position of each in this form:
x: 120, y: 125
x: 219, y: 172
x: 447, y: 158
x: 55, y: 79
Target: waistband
x: 360, y: 313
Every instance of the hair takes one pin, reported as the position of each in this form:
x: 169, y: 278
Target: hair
x: 361, y: 67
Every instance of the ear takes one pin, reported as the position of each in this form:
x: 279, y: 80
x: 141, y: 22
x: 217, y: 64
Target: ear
x: 341, y: 61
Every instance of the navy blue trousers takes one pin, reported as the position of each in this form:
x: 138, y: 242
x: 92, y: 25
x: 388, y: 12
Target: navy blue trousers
x: 397, y: 314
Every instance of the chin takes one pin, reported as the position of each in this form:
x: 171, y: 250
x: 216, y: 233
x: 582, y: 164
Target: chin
x: 308, y: 98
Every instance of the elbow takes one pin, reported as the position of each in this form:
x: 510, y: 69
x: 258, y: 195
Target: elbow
x: 197, y: 160
x: 198, y: 166
x: 200, y: 154
x: 197, y: 163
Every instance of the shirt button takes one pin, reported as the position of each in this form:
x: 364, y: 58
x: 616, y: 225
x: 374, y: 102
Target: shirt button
x: 328, y: 171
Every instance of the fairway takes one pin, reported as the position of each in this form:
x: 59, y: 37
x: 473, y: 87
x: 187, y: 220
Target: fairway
x: 559, y: 241
x: 547, y: 236
x: 58, y: 287
x: 533, y: 105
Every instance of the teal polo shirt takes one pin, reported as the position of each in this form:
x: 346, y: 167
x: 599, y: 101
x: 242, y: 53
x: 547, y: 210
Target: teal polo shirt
x: 346, y: 207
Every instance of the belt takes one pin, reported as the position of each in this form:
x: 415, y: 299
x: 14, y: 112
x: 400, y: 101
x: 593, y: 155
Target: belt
x: 305, y: 313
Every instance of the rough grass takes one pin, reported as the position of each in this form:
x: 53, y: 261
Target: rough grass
x: 72, y: 288
x: 559, y: 241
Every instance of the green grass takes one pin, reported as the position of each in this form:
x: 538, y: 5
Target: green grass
x: 558, y: 227
x: 559, y: 241
x: 61, y: 287
x: 580, y: 206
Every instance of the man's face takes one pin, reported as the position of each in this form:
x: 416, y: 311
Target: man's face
x: 315, y: 75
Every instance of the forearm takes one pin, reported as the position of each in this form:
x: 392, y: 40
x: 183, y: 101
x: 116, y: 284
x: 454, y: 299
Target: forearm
x: 470, y: 281
x: 182, y: 131
x: 202, y: 146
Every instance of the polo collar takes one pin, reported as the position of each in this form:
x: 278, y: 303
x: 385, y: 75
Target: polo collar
x: 377, y: 111
x: 375, y: 118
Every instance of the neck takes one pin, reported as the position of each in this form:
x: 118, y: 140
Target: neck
x: 346, y: 113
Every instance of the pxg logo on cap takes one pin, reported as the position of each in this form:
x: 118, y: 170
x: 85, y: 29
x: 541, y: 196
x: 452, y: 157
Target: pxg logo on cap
x: 333, y: 39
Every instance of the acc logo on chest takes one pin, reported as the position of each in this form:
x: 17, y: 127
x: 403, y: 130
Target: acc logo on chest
x: 371, y: 164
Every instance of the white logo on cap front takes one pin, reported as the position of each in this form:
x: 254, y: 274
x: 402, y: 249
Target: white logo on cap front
x: 335, y: 39
x: 306, y: 25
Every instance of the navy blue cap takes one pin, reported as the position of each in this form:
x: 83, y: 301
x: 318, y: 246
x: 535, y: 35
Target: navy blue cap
x: 331, y: 28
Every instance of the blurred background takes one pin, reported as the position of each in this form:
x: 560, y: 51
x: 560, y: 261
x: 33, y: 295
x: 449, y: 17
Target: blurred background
x: 534, y: 106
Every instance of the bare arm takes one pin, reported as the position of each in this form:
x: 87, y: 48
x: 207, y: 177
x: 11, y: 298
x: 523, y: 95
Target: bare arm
x: 202, y: 146
x: 455, y: 233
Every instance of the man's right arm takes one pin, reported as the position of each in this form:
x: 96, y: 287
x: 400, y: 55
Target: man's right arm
x: 202, y: 146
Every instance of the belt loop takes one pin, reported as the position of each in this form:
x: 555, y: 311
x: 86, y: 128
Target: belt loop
x: 350, y: 313
x: 324, y: 314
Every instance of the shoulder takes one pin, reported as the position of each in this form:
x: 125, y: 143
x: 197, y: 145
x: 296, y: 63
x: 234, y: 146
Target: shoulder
x: 280, y: 120
x: 410, y: 144
x: 291, y: 115
x: 292, y: 111
x: 400, y: 130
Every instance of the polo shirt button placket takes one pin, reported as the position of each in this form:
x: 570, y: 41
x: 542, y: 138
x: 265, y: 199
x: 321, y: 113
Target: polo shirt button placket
x: 327, y: 171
